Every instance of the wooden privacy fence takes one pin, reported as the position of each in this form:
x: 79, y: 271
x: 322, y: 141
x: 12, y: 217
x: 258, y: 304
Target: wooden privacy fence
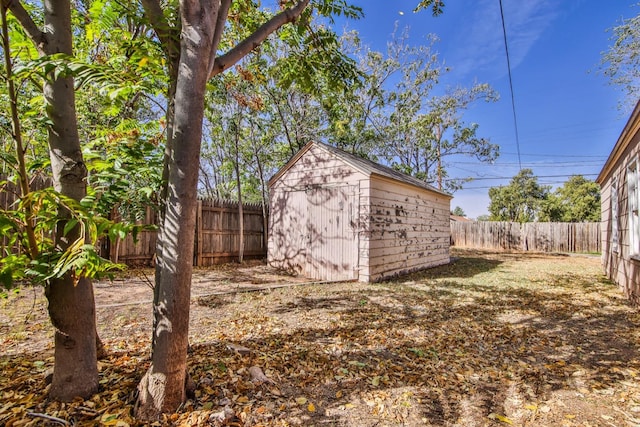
x: 579, y: 237
x: 217, y: 238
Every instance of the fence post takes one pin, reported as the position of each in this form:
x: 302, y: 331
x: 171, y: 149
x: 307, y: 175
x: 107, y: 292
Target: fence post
x: 199, y: 240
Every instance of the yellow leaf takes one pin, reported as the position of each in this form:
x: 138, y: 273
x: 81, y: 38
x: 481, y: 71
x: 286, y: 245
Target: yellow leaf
x: 531, y: 407
x: 375, y: 381
x: 570, y: 416
x: 243, y: 399
x: 501, y: 418
x: 301, y: 400
x: 143, y: 62
x: 339, y: 394
x: 311, y: 407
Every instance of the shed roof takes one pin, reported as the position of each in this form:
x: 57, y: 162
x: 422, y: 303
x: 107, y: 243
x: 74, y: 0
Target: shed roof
x: 630, y: 130
x: 365, y: 166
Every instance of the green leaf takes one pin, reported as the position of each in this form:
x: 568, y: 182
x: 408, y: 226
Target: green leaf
x: 70, y: 225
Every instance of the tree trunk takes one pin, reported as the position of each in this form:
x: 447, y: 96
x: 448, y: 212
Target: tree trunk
x: 236, y: 166
x: 162, y: 389
x: 71, y: 304
x: 265, y: 201
x: 75, y: 371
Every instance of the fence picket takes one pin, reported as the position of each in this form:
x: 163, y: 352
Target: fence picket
x: 216, y: 239
x: 532, y: 236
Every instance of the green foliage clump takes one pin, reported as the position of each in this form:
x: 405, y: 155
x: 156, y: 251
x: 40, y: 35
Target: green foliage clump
x: 525, y: 200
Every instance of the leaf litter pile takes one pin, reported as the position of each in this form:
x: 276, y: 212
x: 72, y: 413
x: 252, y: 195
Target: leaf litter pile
x: 491, y: 339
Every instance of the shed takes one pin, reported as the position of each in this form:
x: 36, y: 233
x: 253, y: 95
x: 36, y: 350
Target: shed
x: 337, y: 216
x: 619, y: 182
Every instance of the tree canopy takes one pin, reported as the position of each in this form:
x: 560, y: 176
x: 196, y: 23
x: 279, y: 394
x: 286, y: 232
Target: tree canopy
x: 525, y: 200
x: 520, y: 200
x: 621, y: 62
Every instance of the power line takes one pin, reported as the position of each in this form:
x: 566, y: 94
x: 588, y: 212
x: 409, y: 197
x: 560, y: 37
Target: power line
x: 537, y: 164
x: 556, y: 155
x: 536, y: 176
x: 513, y: 101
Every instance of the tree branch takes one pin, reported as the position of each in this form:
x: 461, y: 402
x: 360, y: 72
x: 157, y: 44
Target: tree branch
x: 225, y: 61
x: 223, y: 12
x: 38, y: 37
x: 167, y: 36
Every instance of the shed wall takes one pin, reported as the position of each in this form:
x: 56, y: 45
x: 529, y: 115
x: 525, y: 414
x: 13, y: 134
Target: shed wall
x: 333, y: 221
x: 408, y: 229
x: 618, y: 264
x: 314, y: 226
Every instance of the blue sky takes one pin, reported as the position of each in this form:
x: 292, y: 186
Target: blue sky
x: 567, y: 114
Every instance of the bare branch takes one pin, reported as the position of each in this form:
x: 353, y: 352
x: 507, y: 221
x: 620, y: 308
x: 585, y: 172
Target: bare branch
x: 35, y: 34
x: 225, y: 61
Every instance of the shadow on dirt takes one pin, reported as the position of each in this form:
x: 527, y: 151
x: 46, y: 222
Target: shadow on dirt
x: 431, y: 349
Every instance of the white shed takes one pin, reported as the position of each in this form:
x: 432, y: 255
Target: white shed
x: 336, y: 216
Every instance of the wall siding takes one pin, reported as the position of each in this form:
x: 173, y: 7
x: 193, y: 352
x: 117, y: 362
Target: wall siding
x: 618, y: 265
x: 408, y: 229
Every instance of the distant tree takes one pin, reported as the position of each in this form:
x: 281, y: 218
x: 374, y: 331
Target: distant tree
x: 458, y: 211
x: 520, y: 201
x: 621, y: 63
x: 400, y: 115
x: 484, y: 217
x: 577, y: 200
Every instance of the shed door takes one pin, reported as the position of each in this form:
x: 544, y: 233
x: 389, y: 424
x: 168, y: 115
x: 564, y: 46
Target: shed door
x: 332, y: 235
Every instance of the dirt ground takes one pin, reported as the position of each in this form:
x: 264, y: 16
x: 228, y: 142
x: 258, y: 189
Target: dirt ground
x: 491, y: 339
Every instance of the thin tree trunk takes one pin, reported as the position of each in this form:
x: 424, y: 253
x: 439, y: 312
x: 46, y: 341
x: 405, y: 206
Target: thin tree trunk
x: 236, y: 167
x: 265, y: 201
x: 162, y: 389
x: 71, y: 303
x: 17, y: 137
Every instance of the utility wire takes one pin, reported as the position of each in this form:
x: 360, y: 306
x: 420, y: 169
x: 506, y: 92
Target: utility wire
x: 537, y: 176
x: 513, y: 101
x: 604, y: 157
